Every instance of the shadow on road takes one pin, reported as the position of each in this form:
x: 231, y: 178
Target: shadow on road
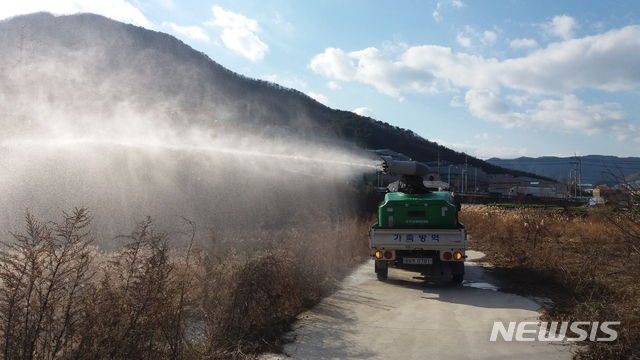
x: 412, y: 315
x: 479, y: 289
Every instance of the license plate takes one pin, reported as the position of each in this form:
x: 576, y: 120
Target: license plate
x: 417, y: 261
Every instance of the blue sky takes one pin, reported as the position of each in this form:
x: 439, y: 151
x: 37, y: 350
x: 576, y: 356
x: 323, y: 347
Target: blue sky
x: 490, y: 78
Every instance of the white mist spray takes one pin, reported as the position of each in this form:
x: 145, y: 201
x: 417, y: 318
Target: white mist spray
x: 89, y: 121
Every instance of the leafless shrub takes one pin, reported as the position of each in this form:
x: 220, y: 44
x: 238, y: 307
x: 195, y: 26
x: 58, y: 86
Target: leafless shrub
x: 62, y: 299
x: 576, y: 258
x: 625, y: 210
x: 251, y: 299
x: 45, y: 287
x: 142, y: 299
x: 264, y: 300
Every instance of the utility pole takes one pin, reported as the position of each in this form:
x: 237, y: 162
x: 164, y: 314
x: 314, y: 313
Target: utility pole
x: 475, y: 178
x: 580, y: 167
x: 575, y: 172
x: 569, y: 183
x: 466, y: 175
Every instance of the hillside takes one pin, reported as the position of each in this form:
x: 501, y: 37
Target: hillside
x: 87, y: 63
x: 595, y: 169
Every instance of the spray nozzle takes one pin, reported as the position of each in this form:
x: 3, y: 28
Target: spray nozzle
x: 390, y: 166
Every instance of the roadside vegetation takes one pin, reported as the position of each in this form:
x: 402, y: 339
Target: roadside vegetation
x: 165, y: 295
x: 587, y: 262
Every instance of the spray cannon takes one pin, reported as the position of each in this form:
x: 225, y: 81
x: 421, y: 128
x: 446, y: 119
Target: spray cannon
x: 412, y: 173
x: 411, y: 168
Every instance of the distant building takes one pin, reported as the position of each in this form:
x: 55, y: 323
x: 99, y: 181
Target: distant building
x: 606, y: 192
x: 503, y: 183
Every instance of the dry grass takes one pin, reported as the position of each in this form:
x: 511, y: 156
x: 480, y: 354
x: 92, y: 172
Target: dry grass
x: 229, y: 298
x: 579, y: 259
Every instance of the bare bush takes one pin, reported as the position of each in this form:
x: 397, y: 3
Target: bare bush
x: 625, y: 210
x: 45, y: 287
x: 576, y: 258
x: 252, y: 299
x: 62, y: 299
x: 141, y: 300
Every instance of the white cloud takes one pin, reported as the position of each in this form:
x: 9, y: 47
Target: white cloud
x: 391, y: 47
x: 245, y: 42
x: 364, y: 111
x: 604, y: 62
x: 485, y: 104
x: 286, y: 80
x: 193, y: 32
x: 13, y: 8
x: 238, y: 33
x: 115, y: 9
x: 371, y: 67
x: 229, y: 19
x: 601, y: 62
x: 468, y: 35
x: 119, y: 10
x: 287, y: 27
x: 562, y: 26
x: 567, y: 113
x: 445, y: 3
x: 169, y: 4
x: 334, y: 85
x: 318, y: 97
x: 463, y: 40
x: 571, y: 113
x: 456, y: 102
x: 334, y: 63
x: 519, y: 100
x: 488, y: 149
x: 489, y: 37
x: 484, y: 146
x: 523, y: 44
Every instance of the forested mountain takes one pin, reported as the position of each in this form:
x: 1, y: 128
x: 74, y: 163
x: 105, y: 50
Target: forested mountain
x: 87, y: 63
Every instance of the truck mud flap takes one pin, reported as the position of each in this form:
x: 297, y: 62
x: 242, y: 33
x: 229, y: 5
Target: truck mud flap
x: 457, y: 268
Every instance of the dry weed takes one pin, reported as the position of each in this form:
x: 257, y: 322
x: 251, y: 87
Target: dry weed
x: 578, y: 259
x: 62, y: 299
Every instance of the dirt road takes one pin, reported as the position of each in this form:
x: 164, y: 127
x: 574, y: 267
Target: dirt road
x: 416, y: 317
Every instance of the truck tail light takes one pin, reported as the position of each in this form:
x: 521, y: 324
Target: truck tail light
x: 387, y: 255
x: 447, y: 255
x: 457, y: 256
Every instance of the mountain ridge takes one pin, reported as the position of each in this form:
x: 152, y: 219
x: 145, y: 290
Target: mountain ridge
x: 87, y: 61
x: 595, y: 169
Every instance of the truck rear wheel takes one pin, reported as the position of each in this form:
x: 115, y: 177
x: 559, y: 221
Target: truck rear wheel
x: 382, y: 270
x: 382, y: 275
x: 457, y: 278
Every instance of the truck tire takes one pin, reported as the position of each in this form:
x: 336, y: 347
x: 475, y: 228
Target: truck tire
x: 383, y: 274
x: 457, y: 278
x: 382, y: 270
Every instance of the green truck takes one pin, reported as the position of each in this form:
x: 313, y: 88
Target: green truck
x: 417, y: 227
